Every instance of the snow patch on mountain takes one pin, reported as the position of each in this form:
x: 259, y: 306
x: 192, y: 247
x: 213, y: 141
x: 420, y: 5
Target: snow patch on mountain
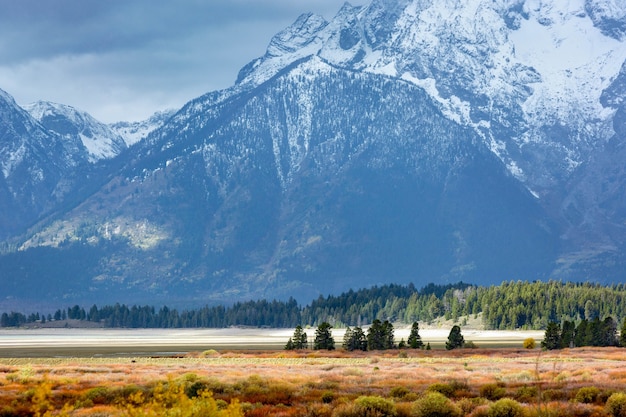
x: 574, y: 59
x: 133, y: 132
x: 519, y: 72
x: 99, y: 140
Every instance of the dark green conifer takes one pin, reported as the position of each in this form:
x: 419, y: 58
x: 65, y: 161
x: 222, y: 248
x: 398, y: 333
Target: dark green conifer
x: 552, y: 338
x: 415, y: 340
x: 455, y: 338
x: 323, y: 337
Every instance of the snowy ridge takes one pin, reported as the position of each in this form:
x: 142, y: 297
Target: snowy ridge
x: 100, y: 141
x: 14, y: 122
x: 524, y: 67
x: 133, y: 132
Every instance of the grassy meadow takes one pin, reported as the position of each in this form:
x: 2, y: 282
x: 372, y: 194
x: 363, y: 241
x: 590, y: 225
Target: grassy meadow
x: 463, y: 382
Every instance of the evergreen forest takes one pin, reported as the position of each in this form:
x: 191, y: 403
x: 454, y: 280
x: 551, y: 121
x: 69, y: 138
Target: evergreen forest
x: 510, y: 305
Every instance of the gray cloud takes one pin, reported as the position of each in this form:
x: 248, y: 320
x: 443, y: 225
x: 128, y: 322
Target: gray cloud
x: 120, y: 59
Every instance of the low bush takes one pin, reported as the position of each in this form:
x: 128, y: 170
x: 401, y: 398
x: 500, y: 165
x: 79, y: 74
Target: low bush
x: 367, y: 406
x: 99, y: 395
x: 492, y: 392
x: 442, y: 388
x: 587, y: 395
x: 328, y: 397
x: 527, y: 394
x: 529, y: 343
x: 376, y: 406
x: 616, y: 405
x: 435, y: 404
x: 468, y: 405
x: 399, y: 392
x: 505, y: 407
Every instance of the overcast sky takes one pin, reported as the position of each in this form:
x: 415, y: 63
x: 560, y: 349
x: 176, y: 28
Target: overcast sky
x: 126, y: 59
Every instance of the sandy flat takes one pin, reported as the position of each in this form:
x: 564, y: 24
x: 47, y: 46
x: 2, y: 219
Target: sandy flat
x: 68, y: 342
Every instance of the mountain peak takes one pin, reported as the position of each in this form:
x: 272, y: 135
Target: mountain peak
x: 72, y: 124
x: 299, y: 35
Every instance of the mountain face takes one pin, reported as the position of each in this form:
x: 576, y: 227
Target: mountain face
x: 134, y: 132
x: 403, y: 141
x: 38, y: 167
x: 100, y: 141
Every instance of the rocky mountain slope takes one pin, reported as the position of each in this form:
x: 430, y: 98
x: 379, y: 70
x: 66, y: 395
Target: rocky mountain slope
x: 134, y: 132
x: 38, y: 167
x: 73, y: 125
x: 401, y: 141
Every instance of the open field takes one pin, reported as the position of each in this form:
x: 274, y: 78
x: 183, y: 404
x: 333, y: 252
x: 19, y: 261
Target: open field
x: 245, y: 372
x: 150, y: 342
x: 472, y: 382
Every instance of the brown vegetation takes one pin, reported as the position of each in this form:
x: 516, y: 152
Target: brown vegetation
x: 462, y: 382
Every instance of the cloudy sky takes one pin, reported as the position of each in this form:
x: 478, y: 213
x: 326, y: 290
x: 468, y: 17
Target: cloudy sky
x: 126, y: 59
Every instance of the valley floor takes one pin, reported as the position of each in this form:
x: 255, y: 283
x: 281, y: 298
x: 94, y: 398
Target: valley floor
x: 570, y: 382
x: 68, y: 342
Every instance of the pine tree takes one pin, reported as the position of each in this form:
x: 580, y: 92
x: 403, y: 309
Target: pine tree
x: 323, y: 337
x: 567, y: 334
x: 455, y: 338
x: 609, y: 332
x: 380, y: 336
x: 580, y: 336
x: 300, y: 340
x: 552, y: 338
x: 347, y: 339
x: 388, y: 336
x: 289, y: 345
x: 415, y: 340
x: 355, y: 339
x: 375, y: 336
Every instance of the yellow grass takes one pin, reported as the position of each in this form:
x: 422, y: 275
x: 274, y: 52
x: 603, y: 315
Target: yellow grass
x: 308, y: 383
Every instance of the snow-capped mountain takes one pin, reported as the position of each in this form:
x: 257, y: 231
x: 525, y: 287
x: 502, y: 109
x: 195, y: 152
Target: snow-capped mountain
x: 406, y: 140
x: 37, y: 167
x: 526, y: 75
x: 133, y: 132
x: 100, y: 141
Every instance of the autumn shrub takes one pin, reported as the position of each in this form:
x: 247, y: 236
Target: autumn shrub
x: 468, y: 405
x: 587, y: 395
x: 15, y: 411
x: 404, y: 409
x: 40, y: 398
x: 169, y: 400
x: 372, y: 405
x: 319, y: 410
x: 328, y: 397
x: 367, y: 406
x: 195, y: 388
x: 529, y: 343
x: 505, y: 407
x: 616, y: 405
x: 99, y: 395
x: 554, y: 395
x: 527, y: 393
x: 399, y: 392
x: 435, y: 404
x: 442, y: 388
x: 492, y: 392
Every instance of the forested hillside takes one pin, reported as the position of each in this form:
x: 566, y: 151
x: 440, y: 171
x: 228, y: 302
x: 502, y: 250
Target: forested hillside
x: 510, y: 305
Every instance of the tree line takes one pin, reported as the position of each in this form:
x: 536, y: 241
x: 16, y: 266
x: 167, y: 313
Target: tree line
x: 587, y: 333
x: 510, y: 305
x: 379, y: 336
